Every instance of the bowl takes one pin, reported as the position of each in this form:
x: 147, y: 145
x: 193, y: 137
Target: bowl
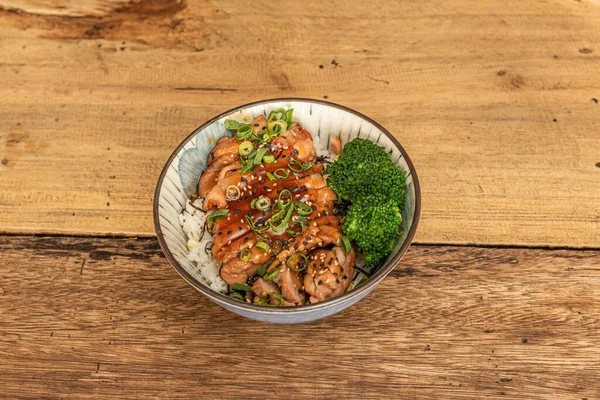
x: 179, y: 178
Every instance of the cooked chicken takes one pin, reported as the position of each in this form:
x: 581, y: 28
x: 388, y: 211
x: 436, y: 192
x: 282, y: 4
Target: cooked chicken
x: 329, y: 273
x: 294, y: 217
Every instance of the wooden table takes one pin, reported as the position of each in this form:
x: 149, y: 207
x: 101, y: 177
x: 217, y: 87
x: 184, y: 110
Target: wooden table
x: 496, y: 102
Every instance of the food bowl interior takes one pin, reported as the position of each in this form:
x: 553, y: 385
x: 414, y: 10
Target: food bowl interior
x: 323, y: 120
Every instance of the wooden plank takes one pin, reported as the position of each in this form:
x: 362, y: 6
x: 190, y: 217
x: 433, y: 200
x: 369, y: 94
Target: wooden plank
x: 494, y: 101
x: 109, y: 318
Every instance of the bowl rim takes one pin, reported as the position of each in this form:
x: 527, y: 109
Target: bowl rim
x: 357, y: 293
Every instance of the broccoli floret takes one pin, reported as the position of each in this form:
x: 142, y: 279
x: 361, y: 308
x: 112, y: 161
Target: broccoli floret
x: 373, y: 222
x: 365, y: 176
x: 365, y: 168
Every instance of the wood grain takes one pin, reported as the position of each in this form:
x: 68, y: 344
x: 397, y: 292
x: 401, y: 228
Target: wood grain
x: 494, y: 101
x: 109, y: 318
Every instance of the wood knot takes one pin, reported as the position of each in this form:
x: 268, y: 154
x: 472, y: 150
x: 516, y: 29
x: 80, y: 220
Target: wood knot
x: 585, y: 50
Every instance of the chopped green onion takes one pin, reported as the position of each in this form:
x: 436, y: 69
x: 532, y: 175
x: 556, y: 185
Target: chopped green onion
x: 287, y: 116
x: 266, y: 138
x: 291, y: 232
x: 247, y: 168
x: 244, y: 131
x: 273, y: 115
x: 302, y: 208
x: 251, y: 155
x: 269, y: 158
x: 281, y: 173
x: 232, y: 124
x: 269, y: 275
x: 245, y: 148
x: 281, y: 227
x: 288, y: 197
x: 270, y: 175
x: 262, y: 203
x: 295, y: 165
x: 241, y: 287
x: 259, y: 155
x: 298, y: 267
x: 217, y: 215
x: 279, y: 215
x: 306, y: 166
x: 277, y: 296
x: 276, y: 207
x: 277, y: 246
x: 345, y: 244
x: 262, y: 246
x: 254, y: 227
x: 253, y: 203
x: 233, y: 192
x: 245, y: 254
x: 238, y: 296
x: 263, y: 268
x: 276, y: 127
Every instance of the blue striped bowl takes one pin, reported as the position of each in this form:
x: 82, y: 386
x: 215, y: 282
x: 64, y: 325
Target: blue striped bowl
x: 179, y: 179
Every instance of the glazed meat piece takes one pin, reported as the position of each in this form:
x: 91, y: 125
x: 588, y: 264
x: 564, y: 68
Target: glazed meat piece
x: 329, y: 273
x: 274, y: 210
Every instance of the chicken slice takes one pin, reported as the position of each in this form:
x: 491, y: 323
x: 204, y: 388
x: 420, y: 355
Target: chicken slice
x: 329, y: 273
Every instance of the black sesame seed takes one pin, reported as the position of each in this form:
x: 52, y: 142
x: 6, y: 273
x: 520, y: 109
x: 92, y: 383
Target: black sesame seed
x: 337, y: 281
x: 236, y: 211
x: 229, y: 232
x: 313, y: 208
x: 345, y: 277
x: 320, y: 283
x: 335, y: 274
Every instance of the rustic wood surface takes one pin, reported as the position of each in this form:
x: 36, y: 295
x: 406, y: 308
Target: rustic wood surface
x: 108, y: 318
x: 496, y: 102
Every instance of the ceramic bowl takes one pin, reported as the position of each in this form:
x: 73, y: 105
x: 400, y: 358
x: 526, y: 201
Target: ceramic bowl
x: 322, y: 119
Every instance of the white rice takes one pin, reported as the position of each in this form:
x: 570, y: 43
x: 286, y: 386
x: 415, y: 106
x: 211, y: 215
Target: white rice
x: 192, y: 221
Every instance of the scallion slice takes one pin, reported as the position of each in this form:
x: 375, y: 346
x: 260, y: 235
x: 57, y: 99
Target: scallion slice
x: 245, y: 148
x: 259, y: 155
x: 281, y: 227
x: 276, y: 127
x: 302, y: 208
x: 240, y: 287
x: 263, y: 268
x: 281, y: 173
x: 233, y: 192
x: 237, y: 296
x: 269, y: 275
x: 285, y: 197
x: 217, y: 215
x: 345, y: 244
x: 270, y: 176
x: 269, y: 158
x: 287, y: 116
x: 262, y: 246
x: 253, y: 203
x: 245, y: 254
x: 301, y: 262
x: 262, y: 203
x: 275, y: 114
x: 295, y: 165
x: 232, y: 124
x: 306, y: 166
x: 244, y: 131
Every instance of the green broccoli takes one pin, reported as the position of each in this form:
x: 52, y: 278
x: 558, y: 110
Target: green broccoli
x: 365, y: 176
x: 373, y: 222
x: 365, y: 168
